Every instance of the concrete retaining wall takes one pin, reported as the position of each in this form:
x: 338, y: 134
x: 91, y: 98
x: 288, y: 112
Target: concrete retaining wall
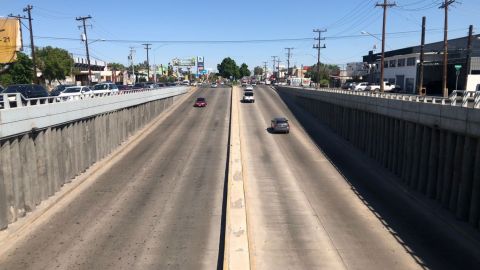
x: 434, y: 149
x: 36, y: 164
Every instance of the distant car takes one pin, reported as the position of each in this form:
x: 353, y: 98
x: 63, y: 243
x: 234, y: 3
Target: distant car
x: 360, y: 86
x: 280, y: 124
x: 186, y: 82
x: 27, y: 91
x: 249, y: 87
x: 105, y: 88
x: 248, y: 97
x: 214, y: 85
x: 348, y: 86
x: 200, y: 102
x: 124, y: 87
x: 59, y: 89
x: 75, y: 92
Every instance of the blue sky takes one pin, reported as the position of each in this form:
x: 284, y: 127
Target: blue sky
x: 160, y: 20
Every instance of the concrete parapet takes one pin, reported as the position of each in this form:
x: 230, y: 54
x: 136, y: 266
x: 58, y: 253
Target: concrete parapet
x: 434, y: 149
x: 35, y: 164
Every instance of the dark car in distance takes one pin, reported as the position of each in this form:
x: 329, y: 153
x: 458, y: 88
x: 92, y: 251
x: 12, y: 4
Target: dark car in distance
x: 27, y: 91
x: 200, y: 102
x: 280, y: 124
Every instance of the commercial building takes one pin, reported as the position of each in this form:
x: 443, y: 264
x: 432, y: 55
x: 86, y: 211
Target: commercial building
x: 402, y: 66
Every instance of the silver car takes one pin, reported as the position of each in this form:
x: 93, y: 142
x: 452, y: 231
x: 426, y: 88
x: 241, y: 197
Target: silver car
x: 280, y: 124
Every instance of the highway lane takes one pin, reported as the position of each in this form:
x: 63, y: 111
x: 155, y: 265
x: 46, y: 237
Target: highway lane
x: 160, y: 207
x: 302, y: 213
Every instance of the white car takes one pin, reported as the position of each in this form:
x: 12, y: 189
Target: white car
x: 74, y: 93
x: 360, y: 86
x: 248, y: 97
x: 102, y: 88
x: 249, y: 87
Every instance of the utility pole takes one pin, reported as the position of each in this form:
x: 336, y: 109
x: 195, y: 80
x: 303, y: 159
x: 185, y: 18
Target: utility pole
x: 385, y: 6
x: 83, y: 19
x: 422, y: 57
x: 319, y: 47
x: 147, y: 47
x: 265, y: 70
x: 278, y: 68
x: 131, y: 58
x: 28, y: 9
x: 469, y: 55
x: 274, y: 64
x: 445, y: 6
x: 289, y: 54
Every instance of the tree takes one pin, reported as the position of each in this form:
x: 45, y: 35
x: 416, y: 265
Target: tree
x: 20, y: 72
x: 244, y: 71
x: 228, y: 68
x: 117, y: 66
x: 325, y: 72
x: 258, y: 71
x: 55, y: 63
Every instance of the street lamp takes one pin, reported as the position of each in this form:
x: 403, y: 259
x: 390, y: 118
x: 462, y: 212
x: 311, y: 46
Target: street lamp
x: 96, y: 40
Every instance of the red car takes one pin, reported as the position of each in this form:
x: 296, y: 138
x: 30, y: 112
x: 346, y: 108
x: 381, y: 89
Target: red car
x: 200, y: 102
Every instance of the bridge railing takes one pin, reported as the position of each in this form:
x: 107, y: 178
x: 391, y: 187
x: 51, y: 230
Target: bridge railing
x: 16, y: 100
x: 467, y: 99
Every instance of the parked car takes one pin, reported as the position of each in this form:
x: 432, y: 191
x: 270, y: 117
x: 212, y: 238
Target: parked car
x: 280, y: 124
x: 186, y: 82
x: 214, y: 85
x: 124, y: 87
x: 387, y: 87
x: 171, y: 84
x: 348, y: 86
x: 200, y: 102
x: 105, y: 88
x: 59, y: 89
x: 75, y: 92
x: 27, y: 91
x: 248, y: 97
x: 360, y: 86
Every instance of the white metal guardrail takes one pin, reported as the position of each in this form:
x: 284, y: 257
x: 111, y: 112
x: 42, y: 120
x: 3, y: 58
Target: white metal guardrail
x: 16, y: 100
x: 467, y: 99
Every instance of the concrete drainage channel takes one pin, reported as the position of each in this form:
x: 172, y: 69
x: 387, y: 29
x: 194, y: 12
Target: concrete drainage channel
x: 236, y: 251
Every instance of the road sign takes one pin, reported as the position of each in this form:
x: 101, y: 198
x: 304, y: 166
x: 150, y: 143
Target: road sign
x: 458, y: 67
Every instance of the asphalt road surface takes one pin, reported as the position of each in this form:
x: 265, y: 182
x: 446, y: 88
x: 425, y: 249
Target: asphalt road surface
x: 302, y: 213
x: 160, y: 207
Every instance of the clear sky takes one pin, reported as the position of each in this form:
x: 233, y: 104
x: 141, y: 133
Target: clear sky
x: 213, y: 20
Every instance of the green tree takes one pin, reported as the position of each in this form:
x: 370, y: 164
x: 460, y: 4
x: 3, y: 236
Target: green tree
x: 325, y: 71
x: 228, y: 68
x: 55, y: 63
x: 244, y: 71
x: 20, y: 72
x: 117, y: 66
x: 258, y: 71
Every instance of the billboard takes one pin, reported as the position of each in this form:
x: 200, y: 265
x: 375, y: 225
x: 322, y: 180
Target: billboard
x: 200, y: 61
x: 177, y: 62
x: 10, y: 39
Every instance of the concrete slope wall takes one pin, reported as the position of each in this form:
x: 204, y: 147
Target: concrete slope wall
x: 434, y: 149
x: 36, y: 163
